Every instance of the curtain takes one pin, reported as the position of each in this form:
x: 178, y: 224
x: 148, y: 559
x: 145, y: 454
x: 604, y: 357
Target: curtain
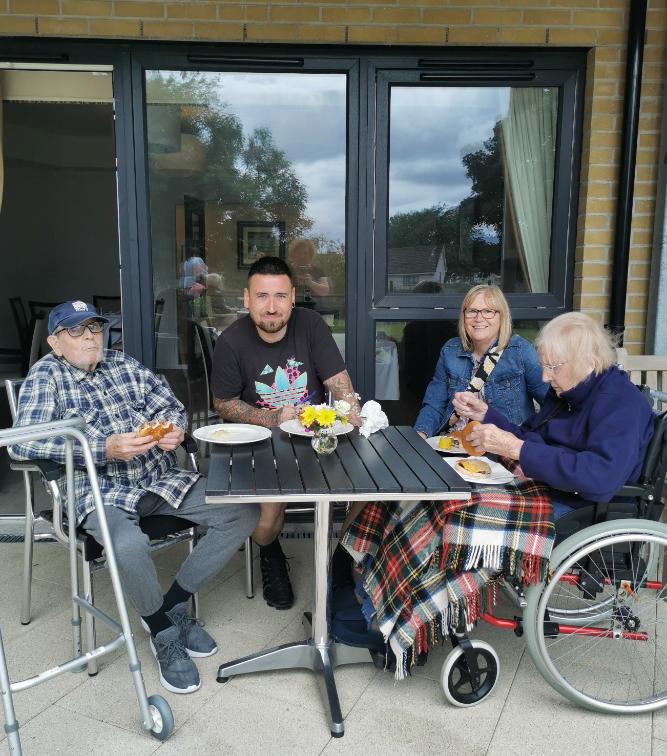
x: 529, y: 142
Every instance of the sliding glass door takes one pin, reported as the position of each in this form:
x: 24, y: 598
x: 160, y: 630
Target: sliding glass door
x: 241, y: 165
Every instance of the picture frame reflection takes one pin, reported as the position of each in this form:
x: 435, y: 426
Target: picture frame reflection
x: 259, y: 239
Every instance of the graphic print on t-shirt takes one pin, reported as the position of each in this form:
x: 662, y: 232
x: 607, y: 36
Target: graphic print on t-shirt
x: 290, y: 386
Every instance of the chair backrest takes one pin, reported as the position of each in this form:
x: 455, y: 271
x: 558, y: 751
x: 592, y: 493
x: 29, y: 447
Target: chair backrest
x: 109, y: 303
x: 159, y: 309
x: 40, y: 308
x: 647, y: 370
x: 22, y: 329
x: 203, y: 346
x: 20, y: 320
x: 655, y: 460
x: 38, y: 344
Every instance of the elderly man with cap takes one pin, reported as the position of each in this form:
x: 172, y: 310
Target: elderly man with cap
x: 138, y: 477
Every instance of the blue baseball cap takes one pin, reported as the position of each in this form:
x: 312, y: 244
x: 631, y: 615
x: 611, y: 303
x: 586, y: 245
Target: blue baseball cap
x: 69, y: 314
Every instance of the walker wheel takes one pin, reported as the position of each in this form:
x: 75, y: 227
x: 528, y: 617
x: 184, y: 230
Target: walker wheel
x: 455, y: 677
x: 163, y: 719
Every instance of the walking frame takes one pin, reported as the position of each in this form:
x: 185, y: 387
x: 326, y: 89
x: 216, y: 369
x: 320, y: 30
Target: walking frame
x: 155, y: 711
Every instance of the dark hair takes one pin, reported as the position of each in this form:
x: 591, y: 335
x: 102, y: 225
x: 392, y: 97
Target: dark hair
x: 270, y: 266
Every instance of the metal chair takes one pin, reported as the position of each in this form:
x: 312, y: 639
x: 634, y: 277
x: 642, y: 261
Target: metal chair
x: 163, y: 530
x: 204, y: 347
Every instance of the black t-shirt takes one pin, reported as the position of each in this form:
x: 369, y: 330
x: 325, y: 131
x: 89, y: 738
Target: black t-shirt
x: 291, y: 371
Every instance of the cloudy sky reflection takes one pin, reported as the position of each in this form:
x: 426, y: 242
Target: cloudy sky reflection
x: 430, y: 130
x: 306, y: 115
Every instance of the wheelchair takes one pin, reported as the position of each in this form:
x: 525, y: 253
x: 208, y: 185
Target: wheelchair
x: 597, y: 628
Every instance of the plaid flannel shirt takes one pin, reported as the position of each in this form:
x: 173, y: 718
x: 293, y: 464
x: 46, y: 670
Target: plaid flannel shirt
x: 119, y: 396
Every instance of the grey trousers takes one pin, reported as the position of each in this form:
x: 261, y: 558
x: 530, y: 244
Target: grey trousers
x: 228, y: 527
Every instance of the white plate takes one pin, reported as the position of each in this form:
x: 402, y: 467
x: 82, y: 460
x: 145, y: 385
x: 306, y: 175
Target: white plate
x: 232, y: 433
x: 433, y: 443
x: 294, y: 427
x: 499, y: 474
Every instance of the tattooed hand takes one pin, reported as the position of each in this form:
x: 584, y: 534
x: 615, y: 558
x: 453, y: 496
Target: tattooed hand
x: 341, y: 387
x: 237, y: 411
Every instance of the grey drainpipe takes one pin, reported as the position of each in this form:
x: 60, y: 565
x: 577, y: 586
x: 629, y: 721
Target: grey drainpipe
x: 633, y: 75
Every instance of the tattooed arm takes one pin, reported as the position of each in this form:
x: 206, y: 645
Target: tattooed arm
x: 237, y: 411
x: 341, y: 387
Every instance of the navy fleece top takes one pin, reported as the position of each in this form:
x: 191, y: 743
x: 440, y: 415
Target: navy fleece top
x: 591, y: 440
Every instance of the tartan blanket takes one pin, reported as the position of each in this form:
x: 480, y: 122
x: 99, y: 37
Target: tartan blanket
x: 429, y: 568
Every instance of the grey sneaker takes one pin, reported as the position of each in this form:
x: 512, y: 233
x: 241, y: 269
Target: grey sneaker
x: 196, y: 640
x: 178, y: 672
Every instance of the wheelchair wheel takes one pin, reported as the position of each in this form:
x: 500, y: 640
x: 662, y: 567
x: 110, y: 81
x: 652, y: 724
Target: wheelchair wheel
x: 455, y: 676
x: 614, y: 661
x: 568, y: 607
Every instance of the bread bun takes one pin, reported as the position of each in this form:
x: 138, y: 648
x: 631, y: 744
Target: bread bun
x: 477, y: 468
x: 462, y: 436
x: 156, y: 429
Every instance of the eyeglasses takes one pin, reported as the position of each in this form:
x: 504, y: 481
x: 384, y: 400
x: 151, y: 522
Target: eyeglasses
x: 77, y: 331
x: 486, y: 314
x: 553, y: 368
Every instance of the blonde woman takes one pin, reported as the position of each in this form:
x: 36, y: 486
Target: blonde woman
x: 486, y: 359
x: 591, y: 435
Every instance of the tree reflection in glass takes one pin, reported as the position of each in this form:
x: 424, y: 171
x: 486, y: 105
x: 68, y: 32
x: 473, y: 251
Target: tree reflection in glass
x: 471, y: 191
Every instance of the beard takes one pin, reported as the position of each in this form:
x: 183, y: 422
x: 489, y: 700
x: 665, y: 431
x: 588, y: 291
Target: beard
x: 270, y: 326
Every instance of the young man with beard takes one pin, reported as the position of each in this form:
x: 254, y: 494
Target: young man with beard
x: 266, y: 365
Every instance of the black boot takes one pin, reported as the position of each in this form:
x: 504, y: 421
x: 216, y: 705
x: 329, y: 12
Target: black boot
x: 275, y: 578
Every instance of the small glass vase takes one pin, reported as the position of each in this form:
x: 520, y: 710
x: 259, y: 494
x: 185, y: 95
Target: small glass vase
x: 324, y: 441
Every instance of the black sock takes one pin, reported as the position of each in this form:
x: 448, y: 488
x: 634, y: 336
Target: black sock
x: 271, y: 549
x: 157, y: 622
x: 175, y: 595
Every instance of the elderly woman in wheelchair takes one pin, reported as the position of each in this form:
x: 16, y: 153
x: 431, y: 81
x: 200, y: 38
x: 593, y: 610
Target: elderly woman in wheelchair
x: 591, y: 435
x: 600, y: 449
x: 594, y: 625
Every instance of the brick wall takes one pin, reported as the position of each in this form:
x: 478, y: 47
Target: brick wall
x: 598, y: 24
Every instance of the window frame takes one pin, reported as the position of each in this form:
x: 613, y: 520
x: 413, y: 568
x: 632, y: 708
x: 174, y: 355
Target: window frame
x: 565, y: 70
x: 215, y: 58
x: 364, y: 65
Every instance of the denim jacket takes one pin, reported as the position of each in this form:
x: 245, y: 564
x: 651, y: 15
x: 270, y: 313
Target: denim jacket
x: 515, y: 381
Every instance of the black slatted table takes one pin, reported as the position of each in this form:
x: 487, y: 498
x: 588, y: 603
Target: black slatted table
x: 391, y: 465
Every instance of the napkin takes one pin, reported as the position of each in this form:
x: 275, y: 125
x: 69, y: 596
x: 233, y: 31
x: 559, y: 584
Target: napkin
x: 373, y: 418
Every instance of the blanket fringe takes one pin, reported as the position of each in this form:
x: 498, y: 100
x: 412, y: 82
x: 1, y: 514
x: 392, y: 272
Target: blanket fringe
x: 460, y: 616
x: 528, y: 569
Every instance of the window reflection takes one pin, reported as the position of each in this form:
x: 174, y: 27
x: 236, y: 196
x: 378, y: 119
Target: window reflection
x: 470, y: 198
x: 241, y: 165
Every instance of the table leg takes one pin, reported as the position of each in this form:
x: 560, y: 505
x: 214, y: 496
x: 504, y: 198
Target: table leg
x: 319, y: 653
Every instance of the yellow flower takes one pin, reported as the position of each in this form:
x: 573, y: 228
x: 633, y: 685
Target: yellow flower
x: 326, y: 417
x: 308, y: 416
